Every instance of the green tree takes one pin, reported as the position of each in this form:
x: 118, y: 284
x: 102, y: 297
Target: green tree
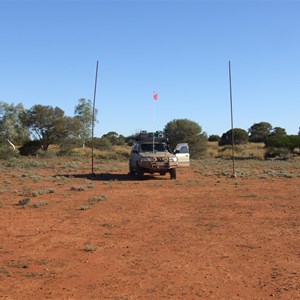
x: 278, y: 131
x: 129, y: 140
x: 295, y: 141
x: 240, y: 136
x: 187, y: 131
x: 214, y: 138
x: 277, y: 141
x: 11, y: 128
x: 114, y: 138
x: 84, y: 113
x: 258, y: 132
x: 289, y: 142
x: 49, y: 125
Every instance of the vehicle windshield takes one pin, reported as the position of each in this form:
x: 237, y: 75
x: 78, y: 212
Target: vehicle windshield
x: 157, y: 147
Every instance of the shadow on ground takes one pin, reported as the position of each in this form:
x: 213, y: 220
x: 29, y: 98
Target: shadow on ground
x: 111, y: 177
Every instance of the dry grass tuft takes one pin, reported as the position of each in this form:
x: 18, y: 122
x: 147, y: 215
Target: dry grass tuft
x: 249, y: 150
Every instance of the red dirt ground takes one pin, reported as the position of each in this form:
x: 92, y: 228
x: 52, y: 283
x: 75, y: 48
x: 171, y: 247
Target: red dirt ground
x: 202, y: 236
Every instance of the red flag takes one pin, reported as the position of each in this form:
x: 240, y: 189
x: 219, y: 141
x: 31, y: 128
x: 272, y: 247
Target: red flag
x: 155, y: 96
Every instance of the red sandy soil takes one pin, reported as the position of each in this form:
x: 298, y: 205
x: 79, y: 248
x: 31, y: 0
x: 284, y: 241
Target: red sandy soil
x: 202, y: 236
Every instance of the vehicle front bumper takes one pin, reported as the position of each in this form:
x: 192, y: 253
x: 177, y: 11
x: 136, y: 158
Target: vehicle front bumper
x: 157, y: 166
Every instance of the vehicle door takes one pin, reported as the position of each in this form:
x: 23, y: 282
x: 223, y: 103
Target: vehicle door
x: 182, y: 153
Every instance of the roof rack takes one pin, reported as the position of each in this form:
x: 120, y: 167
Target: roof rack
x: 158, y: 136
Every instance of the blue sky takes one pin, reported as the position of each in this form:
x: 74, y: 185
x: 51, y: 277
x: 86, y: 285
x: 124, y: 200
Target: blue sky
x: 179, y: 49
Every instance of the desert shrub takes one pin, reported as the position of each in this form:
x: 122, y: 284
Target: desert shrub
x: 70, y: 152
x: 84, y: 207
x: 277, y: 145
x: 39, y: 204
x: 278, y: 141
x: 226, y: 151
x: 7, y: 153
x: 122, y: 154
x: 115, y: 154
x: 97, y: 199
x: 64, y: 152
x: 295, y: 141
x: 90, y: 248
x: 92, y: 201
x: 46, y: 154
x: 273, y: 152
x: 34, y: 163
x: 78, y: 153
x: 67, y: 145
x: 30, y: 148
x: 24, y: 202
x: 101, y: 143
x: 78, y: 188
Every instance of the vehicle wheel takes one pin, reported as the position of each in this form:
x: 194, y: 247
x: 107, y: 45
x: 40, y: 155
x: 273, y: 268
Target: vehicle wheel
x: 139, y: 172
x: 131, y: 170
x: 173, y: 173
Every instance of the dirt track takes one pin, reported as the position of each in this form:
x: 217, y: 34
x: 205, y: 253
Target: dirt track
x: 202, y: 236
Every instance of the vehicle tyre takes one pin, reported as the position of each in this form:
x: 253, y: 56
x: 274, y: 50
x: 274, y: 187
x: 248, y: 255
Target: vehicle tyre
x: 173, y: 173
x: 139, y: 172
x: 131, y: 170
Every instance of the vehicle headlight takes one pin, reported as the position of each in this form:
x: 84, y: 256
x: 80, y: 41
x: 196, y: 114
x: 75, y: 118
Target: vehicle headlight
x: 145, y: 159
x: 174, y: 159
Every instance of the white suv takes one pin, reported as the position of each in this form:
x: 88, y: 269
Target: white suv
x: 152, y: 155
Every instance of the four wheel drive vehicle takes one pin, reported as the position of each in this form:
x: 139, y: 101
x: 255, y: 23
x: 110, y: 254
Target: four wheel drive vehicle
x: 151, y: 154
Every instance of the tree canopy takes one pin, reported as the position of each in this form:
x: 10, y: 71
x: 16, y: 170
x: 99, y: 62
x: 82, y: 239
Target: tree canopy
x: 187, y: 131
x: 49, y: 124
x: 214, y: 138
x: 258, y: 132
x: 84, y: 113
x: 11, y: 127
x: 114, y: 138
x: 283, y: 141
x: 278, y: 131
x: 240, y: 136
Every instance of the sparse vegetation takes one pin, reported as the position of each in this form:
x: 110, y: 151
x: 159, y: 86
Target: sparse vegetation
x: 39, y: 204
x: 24, y: 202
x: 89, y: 248
x: 78, y: 188
x: 96, y: 199
x: 4, y: 271
x: 114, y: 214
x: 92, y: 201
x: 85, y: 207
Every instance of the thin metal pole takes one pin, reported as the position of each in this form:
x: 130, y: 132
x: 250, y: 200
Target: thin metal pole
x: 232, y: 131
x: 93, y: 118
